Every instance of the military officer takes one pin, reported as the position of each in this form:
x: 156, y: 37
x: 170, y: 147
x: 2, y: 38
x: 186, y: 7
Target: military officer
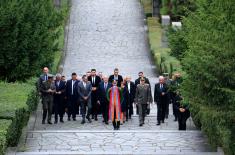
x: 143, y: 97
x: 47, y: 89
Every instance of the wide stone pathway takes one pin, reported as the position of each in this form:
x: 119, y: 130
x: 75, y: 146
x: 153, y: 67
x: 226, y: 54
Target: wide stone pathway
x: 105, y: 34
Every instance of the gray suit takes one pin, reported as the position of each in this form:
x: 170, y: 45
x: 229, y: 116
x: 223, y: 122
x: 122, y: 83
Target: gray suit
x: 143, y: 96
x: 85, y: 92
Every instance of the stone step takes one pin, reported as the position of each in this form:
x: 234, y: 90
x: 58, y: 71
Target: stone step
x: 119, y: 153
x: 104, y: 141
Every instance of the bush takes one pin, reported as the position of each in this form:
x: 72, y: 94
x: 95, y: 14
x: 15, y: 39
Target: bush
x: 177, y: 42
x: 4, y: 134
x: 210, y: 65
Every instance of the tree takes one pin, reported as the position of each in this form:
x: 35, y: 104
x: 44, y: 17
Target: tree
x: 27, y: 30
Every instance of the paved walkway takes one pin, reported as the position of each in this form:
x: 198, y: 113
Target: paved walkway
x: 105, y: 34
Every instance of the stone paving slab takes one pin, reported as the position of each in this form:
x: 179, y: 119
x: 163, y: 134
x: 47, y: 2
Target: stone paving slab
x: 133, y: 124
x: 134, y: 142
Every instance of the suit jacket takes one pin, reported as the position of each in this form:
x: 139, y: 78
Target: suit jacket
x: 84, y: 92
x: 69, y: 88
x: 97, y: 81
x: 143, y: 94
x: 61, y: 87
x: 102, y: 92
x: 158, y: 94
x: 120, y: 79
x: 130, y: 95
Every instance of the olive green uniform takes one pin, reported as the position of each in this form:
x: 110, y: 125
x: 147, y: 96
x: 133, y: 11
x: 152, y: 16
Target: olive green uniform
x: 47, y: 99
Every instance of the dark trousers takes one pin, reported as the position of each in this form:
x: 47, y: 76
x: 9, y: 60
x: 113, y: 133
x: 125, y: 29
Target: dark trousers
x: 47, y: 106
x: 116, y: 124
x: 95, y: 106
x: 85, y: 109
x: 105, y: 110
x: 129, y: 110
x: 73, y: 107
x: 59, y: 107
x: 182, y: 119
x: 142, y: 112
x: 161, y: 111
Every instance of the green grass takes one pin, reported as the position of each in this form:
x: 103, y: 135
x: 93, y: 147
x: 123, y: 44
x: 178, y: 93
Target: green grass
x: 164, y: 62
x: 60, y: 40
x: 148, y: 9
x: 13, y: 96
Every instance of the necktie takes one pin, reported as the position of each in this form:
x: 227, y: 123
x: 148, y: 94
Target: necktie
x: 105, y: 86
x: 72, y: 87
x: 93, y: 80
x: 45, y: 78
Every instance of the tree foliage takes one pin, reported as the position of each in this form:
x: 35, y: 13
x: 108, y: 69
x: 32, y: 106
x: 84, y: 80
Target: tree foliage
x: 209, y: 63
x: 27, y: 29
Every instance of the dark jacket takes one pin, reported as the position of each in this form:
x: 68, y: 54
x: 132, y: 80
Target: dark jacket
x: 102, y: 93
x: 120, y: 79
x: 158, y: 97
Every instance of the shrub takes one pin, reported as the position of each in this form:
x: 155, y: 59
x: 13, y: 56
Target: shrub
x: 4, y: 134
x: 210, y: 65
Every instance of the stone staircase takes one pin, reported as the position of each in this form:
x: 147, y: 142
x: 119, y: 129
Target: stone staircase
x: 72, y: 138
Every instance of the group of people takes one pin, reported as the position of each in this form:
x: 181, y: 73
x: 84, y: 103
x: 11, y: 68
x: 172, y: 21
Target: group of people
x: 112, y: 96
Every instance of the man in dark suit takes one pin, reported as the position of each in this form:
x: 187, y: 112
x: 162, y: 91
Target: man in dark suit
x: 59, y: 94
x: 95, y: 80
x: 84, y: 91
x: 116, y: 77
x: 102, y: 97
x: 43, y: 77
x: 72, y: 97
x: 161, y: 99
x: 130, y: 96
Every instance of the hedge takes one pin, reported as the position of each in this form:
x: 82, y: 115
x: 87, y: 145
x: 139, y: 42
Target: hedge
x: 17, y: 100
x: 4, y: 134
x: 164, y: 62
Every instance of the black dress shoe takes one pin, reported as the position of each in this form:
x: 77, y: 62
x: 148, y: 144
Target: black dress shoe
x: 43, y: 122
x: 158, y: 123
x: 106, y: 123
x: 141, y: 125
x: 96, y: 119
x: 162, y: 121
x: 92, y: 117
x: 55, y: 122
x: 175, y: 119
x: 74, y: 119
x: 49, y: 122
x: 89, y: 120
x: 61, y: 120
x: 83, y: 122
x: 69, y: 119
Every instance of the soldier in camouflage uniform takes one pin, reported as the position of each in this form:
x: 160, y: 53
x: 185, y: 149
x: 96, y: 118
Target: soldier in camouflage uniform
x: 47, y: 89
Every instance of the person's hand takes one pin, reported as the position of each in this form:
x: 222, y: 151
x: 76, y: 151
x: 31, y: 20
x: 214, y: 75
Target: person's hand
x: 98, y: 102
x: 163, y: 93
x: 85, y: 98
x: 93, y: 88
x: 59, y: 92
